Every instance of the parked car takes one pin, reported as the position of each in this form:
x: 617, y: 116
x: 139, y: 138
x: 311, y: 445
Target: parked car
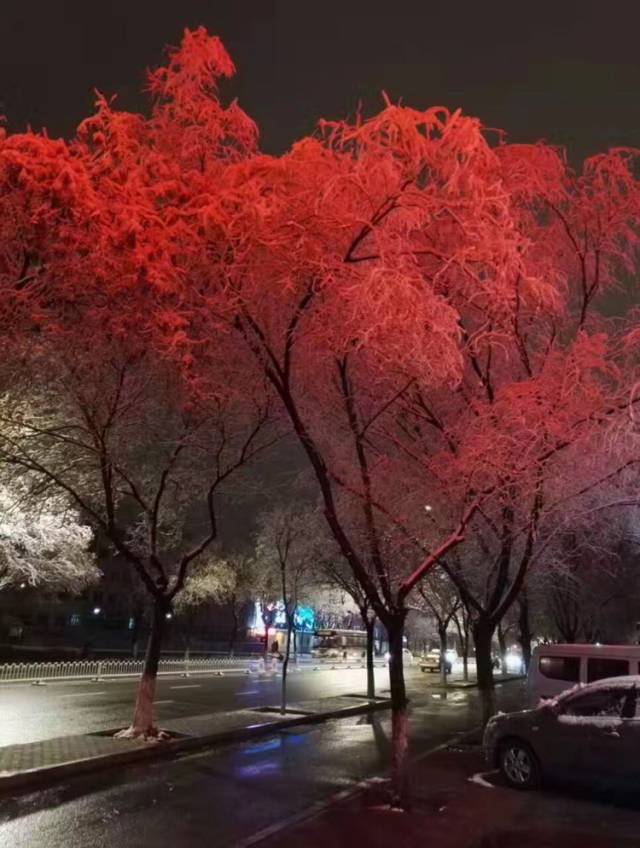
x: 555, y: 668
x: 433, y: 662
x: 587, y: 734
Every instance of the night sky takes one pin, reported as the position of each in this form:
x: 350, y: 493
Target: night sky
x: 565, y: 71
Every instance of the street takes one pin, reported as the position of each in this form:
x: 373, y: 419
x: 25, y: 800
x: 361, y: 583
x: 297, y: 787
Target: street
x: 31, y: 713
x: 225, y: 795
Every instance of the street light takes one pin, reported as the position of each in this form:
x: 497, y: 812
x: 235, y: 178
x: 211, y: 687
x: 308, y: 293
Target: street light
x: 97, y: 610
x: 168, y: 615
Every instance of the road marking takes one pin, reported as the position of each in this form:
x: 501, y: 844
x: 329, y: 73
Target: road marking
x: 82, y: 694
x: 187, y: 686
x: 163, y: 702
x: 249, y: 692
x: 479, y: 778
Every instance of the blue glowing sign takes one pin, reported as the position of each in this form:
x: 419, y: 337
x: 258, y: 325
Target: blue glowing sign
x: 305, y: 619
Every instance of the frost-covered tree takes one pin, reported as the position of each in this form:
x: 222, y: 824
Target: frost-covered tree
x: 437, y: 597
x: 213, y: 581
x: 287, y: 558
x: 43, y: 543
x: 95, y: 250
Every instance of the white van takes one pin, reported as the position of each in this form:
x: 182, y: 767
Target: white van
x: 554, y: 668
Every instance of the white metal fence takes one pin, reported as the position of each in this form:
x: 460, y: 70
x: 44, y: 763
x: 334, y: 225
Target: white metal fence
x: 41, y: 672
x: 98, y: 669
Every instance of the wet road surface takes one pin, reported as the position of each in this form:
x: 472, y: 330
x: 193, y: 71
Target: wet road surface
x: 222, y: 796
x: 31, y: 713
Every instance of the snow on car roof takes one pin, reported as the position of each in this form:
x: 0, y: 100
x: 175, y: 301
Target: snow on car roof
x: 625, y: 682
x: 606, y: 682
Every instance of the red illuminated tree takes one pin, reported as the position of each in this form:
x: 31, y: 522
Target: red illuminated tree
x: 418, y: 303
x: 540, y: 387
x: 419, y: 300
x: 349, y: 262
x: 95, y: 244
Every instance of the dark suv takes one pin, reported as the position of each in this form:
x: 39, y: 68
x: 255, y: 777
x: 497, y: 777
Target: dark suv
x: 589, y: 734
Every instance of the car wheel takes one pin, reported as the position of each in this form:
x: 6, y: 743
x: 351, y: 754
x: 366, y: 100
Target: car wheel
x: 519, y: 765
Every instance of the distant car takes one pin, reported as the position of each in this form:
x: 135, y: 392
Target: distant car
x: 407, y: 657
x: 432, y: 662
x: 587, y: 734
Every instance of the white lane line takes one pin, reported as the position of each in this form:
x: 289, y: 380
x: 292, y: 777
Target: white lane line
x: 163, y: 702
x: 188, y: 686
x: 82, y: 694
x: 249, y: 692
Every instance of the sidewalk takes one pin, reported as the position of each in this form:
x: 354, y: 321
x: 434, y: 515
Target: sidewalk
x: 457, y: 682
x: 45, y: 762
x: 449, y: 811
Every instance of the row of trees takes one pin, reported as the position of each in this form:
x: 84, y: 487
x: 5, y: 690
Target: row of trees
x: 416, y: 304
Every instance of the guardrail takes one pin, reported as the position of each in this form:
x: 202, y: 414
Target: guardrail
x: 41, y: 672
x: 99, y: 669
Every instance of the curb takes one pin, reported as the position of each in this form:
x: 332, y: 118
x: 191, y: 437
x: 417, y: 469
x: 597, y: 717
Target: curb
x: 39, y: 777
x: 474, y: 685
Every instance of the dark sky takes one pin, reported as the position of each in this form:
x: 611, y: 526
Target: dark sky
x: 565, y: 71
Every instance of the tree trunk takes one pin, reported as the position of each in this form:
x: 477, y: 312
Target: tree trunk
x: 187, y: 637
x: 524, y: 634
x: 369, y: 625
x: 502, y: 642
x: 399, y: 715
x: 285, y: 665
x: 442, y: 633
x: 134, y: 643
x: 234, y: 629
x: 482, y: 637
x: 135, y: 632
x: 266, y: 641
x: 463, y: 635
x: 143, y: 712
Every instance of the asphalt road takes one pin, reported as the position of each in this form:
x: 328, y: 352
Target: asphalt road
x: 31, y: 713
x: 223, y: 796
